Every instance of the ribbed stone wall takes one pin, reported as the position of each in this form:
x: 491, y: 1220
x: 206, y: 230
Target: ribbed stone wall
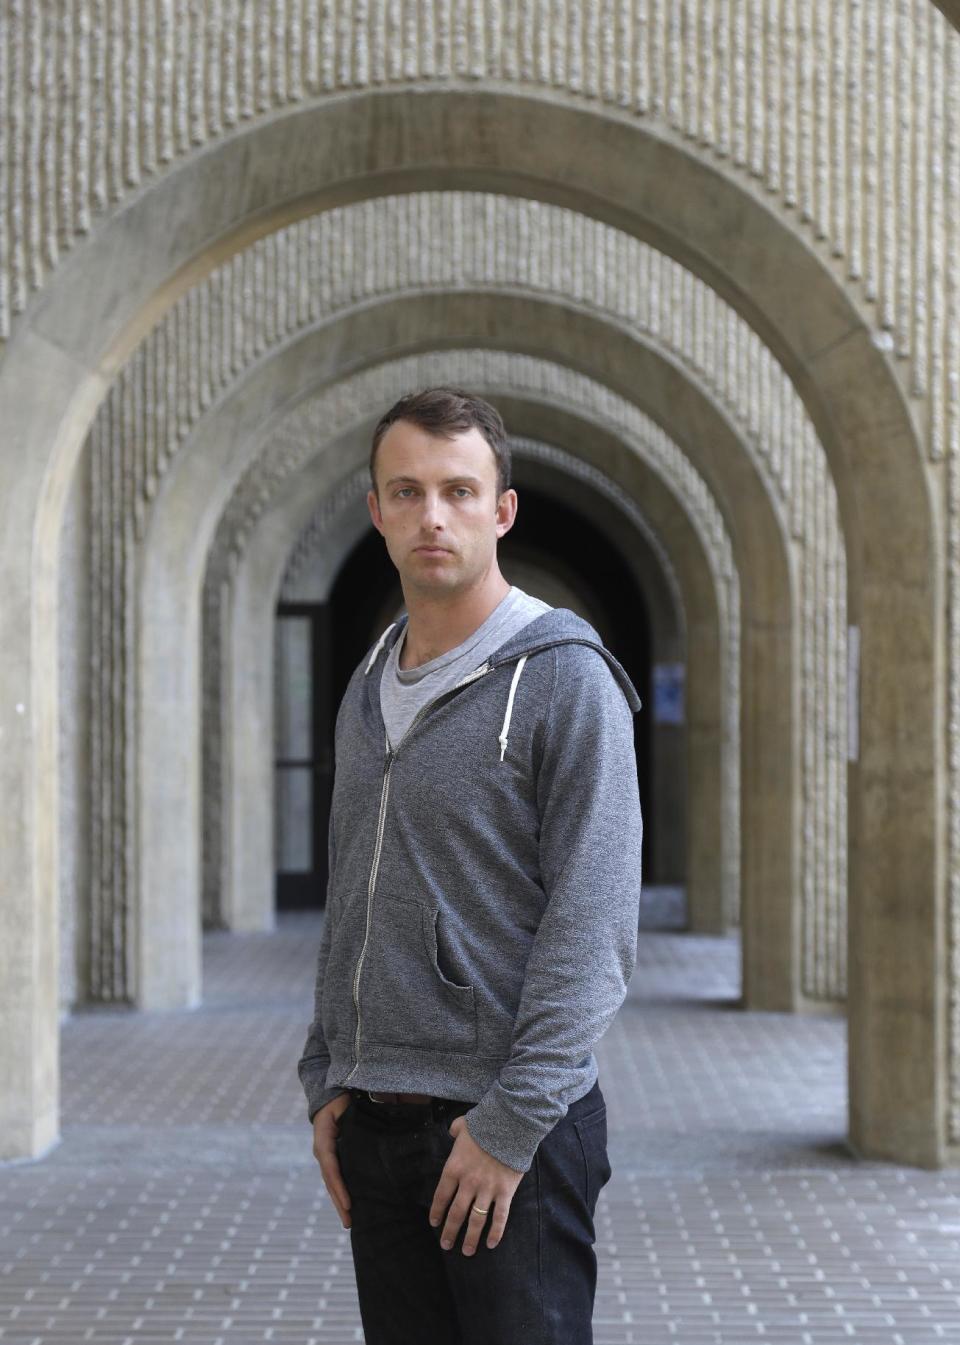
x: 324, y: 265
x: 116, y: 501
x: 840, y: 110
x: 313, y: 539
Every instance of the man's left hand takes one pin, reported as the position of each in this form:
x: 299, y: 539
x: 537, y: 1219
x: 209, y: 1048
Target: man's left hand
x: 472, y: 1182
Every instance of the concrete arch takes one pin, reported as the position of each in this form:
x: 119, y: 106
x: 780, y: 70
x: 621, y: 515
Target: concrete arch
x: 57, y: 370
x: 313, y: 270
x: 604, y: 351
x: 204, y: 476
x: 248, y: 626
x: 249, y: 622
x: 178, y: 536
x: 769, y: 785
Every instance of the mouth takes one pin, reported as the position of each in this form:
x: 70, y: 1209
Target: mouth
x: 433, y: 550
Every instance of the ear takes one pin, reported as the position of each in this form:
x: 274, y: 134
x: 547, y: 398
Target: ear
x: 373, y: 504
x: 506, y: 511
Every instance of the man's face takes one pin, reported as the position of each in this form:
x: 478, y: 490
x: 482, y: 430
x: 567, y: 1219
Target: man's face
x: 438, y: 509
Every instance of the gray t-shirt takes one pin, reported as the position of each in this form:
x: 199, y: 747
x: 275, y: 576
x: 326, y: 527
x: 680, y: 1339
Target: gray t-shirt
x: 404, y: 692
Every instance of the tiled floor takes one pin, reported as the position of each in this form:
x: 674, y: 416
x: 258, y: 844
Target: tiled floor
x: 183, y: 1203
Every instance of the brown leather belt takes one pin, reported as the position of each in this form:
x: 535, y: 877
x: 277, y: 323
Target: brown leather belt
x: 404, y: 1113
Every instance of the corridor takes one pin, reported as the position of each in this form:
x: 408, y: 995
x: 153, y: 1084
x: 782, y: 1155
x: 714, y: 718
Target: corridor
x: 183, y: 1203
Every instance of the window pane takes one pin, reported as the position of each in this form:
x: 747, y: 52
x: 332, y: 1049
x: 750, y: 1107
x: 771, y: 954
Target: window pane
x: 294, y: 819
x: 294, y: 689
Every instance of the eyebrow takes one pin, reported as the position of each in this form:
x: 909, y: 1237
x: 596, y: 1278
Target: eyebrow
x: 448, y: 481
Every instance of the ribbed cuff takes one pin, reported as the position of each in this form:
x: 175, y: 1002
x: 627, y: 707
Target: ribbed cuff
x: 318, y: 1095
x: 502, y: 1133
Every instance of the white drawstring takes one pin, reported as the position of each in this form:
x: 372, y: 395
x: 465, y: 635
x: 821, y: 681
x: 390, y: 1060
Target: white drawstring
x: 469, y: 678
x: 506, y: 719
x: 378, y: 646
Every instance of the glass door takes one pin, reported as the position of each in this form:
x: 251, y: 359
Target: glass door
x: 303, y: 765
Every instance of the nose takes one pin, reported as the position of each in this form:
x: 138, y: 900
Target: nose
x: 432, y: 518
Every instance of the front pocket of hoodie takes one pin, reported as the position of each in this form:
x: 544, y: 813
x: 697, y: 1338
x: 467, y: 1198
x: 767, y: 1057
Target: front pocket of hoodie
x: 405, y: 998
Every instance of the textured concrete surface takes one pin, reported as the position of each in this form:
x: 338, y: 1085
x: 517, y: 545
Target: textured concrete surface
x: 183, y: 1203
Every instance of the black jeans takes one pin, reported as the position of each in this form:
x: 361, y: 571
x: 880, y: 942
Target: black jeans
x: 535, y: 1288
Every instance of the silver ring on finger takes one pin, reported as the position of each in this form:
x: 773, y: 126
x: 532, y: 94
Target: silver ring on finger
x: 475, y: 1209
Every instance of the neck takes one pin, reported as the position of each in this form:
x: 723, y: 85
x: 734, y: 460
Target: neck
x: 439, y: 622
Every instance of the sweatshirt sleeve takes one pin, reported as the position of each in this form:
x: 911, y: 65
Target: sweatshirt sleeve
x: 315, y: 1059
x: 585, y: 947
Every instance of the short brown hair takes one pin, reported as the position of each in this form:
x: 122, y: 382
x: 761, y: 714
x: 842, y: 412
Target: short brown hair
x: 446, y: 412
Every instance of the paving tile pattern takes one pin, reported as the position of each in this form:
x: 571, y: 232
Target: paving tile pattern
x: 183, y: 1204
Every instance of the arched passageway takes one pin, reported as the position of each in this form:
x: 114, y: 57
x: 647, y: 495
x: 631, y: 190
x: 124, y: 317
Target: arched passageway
x: 645, y: 186
x: 238, y: 625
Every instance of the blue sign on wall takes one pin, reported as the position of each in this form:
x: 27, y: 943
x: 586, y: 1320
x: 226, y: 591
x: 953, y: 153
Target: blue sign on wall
x: 668, y: 684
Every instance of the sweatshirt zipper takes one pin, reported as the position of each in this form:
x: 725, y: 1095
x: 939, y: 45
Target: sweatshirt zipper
x: 390, y: 757
x: 371, y: 884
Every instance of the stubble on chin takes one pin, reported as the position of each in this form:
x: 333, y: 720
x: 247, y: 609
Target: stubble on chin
x: 443, y: 575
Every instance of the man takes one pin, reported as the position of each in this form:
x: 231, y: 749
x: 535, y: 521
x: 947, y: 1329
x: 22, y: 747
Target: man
x: 481, y: 918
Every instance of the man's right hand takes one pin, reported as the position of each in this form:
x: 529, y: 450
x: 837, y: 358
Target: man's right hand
x: 326, y: 1127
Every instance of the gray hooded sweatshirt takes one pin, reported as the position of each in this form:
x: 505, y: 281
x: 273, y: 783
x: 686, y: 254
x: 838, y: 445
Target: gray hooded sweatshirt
x: 483, y: 897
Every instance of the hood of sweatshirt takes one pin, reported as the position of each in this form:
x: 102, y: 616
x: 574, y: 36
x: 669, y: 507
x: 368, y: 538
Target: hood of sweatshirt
x: 558, y: 626
x: 561, y: 626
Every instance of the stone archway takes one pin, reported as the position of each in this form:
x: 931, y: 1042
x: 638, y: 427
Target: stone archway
x: 193, y: 491
x: 356, y: 147
x: 248, y: 614
x: 599, y: 433
x: 528, y: 258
